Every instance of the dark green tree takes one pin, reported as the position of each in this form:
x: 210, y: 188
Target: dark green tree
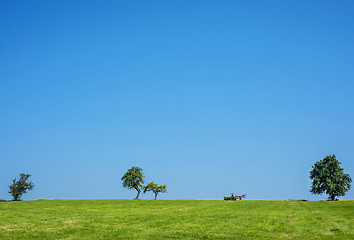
x: 155, y: 188
x: 133, y: 178
x: 20, y: 186
x: 328, y: 177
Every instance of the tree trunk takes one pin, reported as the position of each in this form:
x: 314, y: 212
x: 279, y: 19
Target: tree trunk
x: 137, y: 196
x: 16, y: 198
x: 155, y: 196
x: 333, y: 197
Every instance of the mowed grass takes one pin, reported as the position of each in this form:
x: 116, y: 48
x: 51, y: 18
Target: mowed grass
x: 176, y: 219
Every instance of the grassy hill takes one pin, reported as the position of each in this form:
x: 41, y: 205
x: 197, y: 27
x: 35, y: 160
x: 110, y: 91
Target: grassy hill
x: 176, y: 219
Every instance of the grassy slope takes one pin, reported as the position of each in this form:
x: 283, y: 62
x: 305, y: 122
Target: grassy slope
x: 179, y: 219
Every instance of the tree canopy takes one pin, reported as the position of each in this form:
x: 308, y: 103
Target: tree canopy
x: 156, y: 189
x: 133, y: 178
x: 20, y: 186
x: 328, y: 177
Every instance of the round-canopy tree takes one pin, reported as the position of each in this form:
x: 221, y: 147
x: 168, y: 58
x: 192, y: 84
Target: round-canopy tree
x: 328, y: 177
x: 134, y: 178
x: 20, y: 186
x: 155, y: 188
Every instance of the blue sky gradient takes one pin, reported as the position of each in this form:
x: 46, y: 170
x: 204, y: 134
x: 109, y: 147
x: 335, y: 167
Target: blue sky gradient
x: 208, y: 97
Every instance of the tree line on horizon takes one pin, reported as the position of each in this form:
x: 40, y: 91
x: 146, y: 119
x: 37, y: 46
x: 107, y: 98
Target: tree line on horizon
x: 327, y: 178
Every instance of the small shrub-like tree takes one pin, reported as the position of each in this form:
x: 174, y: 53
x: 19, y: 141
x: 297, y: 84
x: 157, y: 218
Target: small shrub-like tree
x: 134, y: 178
x: 156, y: 189
x: 328, y: 177
x: 20, y: 186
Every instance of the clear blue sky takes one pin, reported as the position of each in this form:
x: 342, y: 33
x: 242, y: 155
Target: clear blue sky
x: 208, y: 97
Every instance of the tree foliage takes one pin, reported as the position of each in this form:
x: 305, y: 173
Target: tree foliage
x: 328, y: 177
x: 156, y: 189
x: 20, y: 186
x: 134, y: 178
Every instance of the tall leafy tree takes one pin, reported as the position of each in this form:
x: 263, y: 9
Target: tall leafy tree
x: 20, y: 186
x: 328, y: 177
x: 134, y: 178
x: 156, y: 189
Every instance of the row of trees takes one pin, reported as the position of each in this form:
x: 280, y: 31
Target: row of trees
x: 134, y: 179
x: 327, y: 177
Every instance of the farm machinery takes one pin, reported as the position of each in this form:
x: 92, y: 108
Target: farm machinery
x: 235, y: 197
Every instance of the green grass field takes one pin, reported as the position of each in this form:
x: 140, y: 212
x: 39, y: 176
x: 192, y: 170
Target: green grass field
x: 176, y: 219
